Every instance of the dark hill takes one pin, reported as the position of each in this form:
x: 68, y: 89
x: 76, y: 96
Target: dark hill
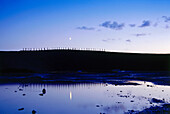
x: 73, y: 60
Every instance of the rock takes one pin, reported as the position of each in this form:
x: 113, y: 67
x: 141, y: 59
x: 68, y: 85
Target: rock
x: 44, y: 91
x: 34, y: 112
x: 154, y: 100
x: 164, y: 109
x: 20, y: 89
x: 15, y: 91
x: 41, y: 94
x: 149, y: 85
x: 118, y: 102
x: 23, y: 94
x: 97, y: 106
x: 20, y: 109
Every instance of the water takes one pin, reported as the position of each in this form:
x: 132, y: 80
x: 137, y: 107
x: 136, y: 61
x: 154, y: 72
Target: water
x: 81, y: 98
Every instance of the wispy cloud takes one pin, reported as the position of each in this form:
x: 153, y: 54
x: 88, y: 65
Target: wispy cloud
x: 145, y: 23
x: 156, y: 24
x: 128, y: 40
x: 167, y: 27
x: 132, y: 25
x: 141, y: 34
x: 113, y: 25
x: 108, y: 40
x: 85, y: 28
x: 166, y: 19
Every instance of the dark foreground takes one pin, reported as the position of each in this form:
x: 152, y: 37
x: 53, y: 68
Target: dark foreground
x: 46, y: 61
x: 85, y: 92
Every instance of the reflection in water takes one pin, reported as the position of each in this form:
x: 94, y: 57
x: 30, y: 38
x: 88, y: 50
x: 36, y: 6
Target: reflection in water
x: 88, y: 98
x: 70, y: 95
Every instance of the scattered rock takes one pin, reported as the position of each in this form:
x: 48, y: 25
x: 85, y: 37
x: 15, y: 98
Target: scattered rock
x: 164, y: 109
x: 120, y: 91
x: 124, y: 96
x: 132, y: 101
x: 20, y: 89
x: 154, y: 100
x: 149, y: 86
x: 20, y: 109
x: 97, y: 106
x: 118, y: 102
x: 34, y: 112
x: 131, y: 111
x: 162, y: 90
x: 41, y: 94
x: 44, y: 91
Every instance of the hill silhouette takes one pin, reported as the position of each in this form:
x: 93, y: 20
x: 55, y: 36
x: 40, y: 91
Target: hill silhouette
x: 84, y: 60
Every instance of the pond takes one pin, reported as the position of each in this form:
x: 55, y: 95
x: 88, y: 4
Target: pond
x: 81, y: 98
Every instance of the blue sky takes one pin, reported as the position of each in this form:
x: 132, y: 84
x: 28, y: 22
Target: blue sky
x: 118, y: 25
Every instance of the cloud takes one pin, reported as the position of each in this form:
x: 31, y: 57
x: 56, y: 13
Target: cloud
x: 107, y: 40
x: 141, y: 34
x: 167, y: 27
x: 145, y: 24
x: 166, y: 19
x: 104, y: 40
x: 128, y: 40
x: 132, y: 25
x: 85, y: 28
x: 114, y: 25
x: 156, y: 24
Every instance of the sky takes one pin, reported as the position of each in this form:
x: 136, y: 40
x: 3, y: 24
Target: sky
x: 114, y: 25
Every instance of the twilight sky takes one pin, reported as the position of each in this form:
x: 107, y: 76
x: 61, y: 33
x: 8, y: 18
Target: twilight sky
x: 117, y: 25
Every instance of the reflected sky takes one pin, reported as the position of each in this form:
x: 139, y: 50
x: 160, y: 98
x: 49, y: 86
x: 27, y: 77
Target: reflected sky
x: 82, y: 98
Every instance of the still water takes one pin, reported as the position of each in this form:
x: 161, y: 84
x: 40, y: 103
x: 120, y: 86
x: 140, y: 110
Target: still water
x: 80, y: 98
